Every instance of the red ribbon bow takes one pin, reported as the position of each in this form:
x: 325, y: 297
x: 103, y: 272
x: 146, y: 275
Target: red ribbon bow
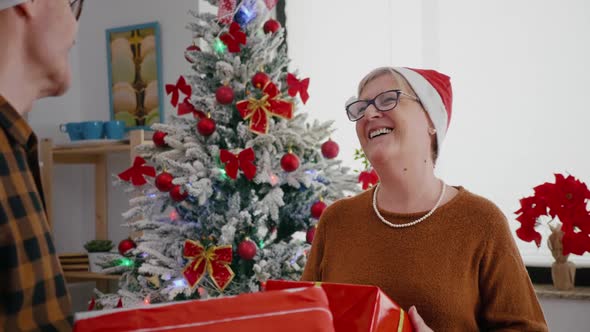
x: 181, y: 86
x: 244, y: 160
x: 368, y: 178
x: 137, y: 172
x: 259, y: 110
x: 215, y: 261
x: 233, y: 38
x: 297, y: 86
x: 226, y: 11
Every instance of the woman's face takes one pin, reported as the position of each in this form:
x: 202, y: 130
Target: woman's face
x: 402, y: 133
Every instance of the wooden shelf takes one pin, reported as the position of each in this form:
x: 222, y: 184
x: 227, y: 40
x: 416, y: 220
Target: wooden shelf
x: 83, y: 276
x: 94, y: 153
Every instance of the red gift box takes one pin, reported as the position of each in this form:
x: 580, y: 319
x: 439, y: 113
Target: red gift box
x: 356, y: 308
x: 303, y: 309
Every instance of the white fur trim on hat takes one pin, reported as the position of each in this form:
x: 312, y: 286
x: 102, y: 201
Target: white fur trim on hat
x: 9, y: 3
x: 431, y: 101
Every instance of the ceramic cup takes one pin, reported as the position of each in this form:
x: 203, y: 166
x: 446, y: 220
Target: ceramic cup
x: 92, y: 130
x: 73, y: 129
x: 114, y: 129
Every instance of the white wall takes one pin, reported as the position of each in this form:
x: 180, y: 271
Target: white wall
x: 519, y: 70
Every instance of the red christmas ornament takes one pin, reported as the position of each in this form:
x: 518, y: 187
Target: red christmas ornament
x: 260, y: 79
x: 192, y: 48
x: 177, y: 194
x: 310, y: 234
x: 247, y: 249
x: 271, y: 26
x: 224, y: 95
x: 330, y: 149
x: 125, y: 246
x: 164, y: 182
x: 158, y: 139
x: 318, y: 208
x: 206, y: 126
x: 290, y: 162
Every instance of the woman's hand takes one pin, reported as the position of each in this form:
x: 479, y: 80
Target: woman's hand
x: 417, y: 321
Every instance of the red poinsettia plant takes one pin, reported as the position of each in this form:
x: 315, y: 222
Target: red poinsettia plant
x: 566, y: 199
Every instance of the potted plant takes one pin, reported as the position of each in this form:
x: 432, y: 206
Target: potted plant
x: 562, y: 206
x: 96, y: 249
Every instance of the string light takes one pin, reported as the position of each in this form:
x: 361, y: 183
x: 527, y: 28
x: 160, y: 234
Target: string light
x: 126, y: 262
x: 179, y: 283
x: 261, y: 244
x: 173, y: 215
x: 219, y: 46
x: 223, y: 173
x: 274, y: 180
x: 147, y: 300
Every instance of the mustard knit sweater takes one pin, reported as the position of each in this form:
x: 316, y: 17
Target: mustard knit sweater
x: 460, y: 267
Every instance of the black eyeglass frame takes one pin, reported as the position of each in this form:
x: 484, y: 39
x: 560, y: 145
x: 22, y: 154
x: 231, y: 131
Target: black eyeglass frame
x: 370, y: 102
x: 76, y: 10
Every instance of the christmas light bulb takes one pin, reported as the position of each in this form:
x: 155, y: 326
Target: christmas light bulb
x: 179, y: 283
x: 173, y: 216
x: 223, y: 174
x: 125, y: 262
x: 219, y: 46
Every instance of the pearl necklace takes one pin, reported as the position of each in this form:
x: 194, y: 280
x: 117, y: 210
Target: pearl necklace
x: 412, y: 223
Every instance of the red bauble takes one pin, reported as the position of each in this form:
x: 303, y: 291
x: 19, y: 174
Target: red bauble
x: 317, y: 209
x: 271, y: 26
x: 290, y: 162
x: 224, y: 95
x: 158, y: 139
x: 247, y: 249
x: 260, y: 79
x: 310, y: 234
x: 164, y: 182
x: 330, y: 149
x: 206, y: 126
x: 192, y: 48
x: 125, y: 246
x: 177, y: 194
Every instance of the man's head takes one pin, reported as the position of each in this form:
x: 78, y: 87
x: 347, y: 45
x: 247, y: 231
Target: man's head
x: 38, y: 35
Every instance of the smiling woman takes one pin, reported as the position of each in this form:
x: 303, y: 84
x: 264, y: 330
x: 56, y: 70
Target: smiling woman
x: 401, y: 117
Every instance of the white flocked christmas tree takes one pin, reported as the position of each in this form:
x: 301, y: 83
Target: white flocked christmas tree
x: 241, y: 174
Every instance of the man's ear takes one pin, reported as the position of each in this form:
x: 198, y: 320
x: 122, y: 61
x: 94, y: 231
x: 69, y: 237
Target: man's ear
x: 25, y: 9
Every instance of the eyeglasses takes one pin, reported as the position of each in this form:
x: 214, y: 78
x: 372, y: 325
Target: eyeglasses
x: 76, y: 6
x: 383, y: 102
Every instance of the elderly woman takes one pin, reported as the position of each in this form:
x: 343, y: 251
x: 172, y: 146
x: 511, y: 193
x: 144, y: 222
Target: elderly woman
x: 442, y: 250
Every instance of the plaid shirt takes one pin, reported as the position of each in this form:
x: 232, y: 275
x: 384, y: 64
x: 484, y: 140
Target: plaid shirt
x: 33, y: 294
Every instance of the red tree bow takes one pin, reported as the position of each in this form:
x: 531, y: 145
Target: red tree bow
x: 233, y: 38
x: 137, y: 172
x: 259, y: 110
x: 181, y: 86
x: 215, y: 261
x: 226, y: 11
x: 244, y: 160
x: 368, y: 178
x: 297, y: 86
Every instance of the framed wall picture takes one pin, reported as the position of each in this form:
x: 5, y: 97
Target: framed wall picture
x: 135, y: 75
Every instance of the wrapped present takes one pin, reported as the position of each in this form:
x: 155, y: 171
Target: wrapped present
x: 356, y: 308
x: 303, y: 309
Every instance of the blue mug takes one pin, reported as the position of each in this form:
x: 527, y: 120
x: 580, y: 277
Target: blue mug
x: 114, y: 129
x: 92, y: 130
x: 74, y: 130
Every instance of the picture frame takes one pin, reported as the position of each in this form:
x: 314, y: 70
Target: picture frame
x: 134, y: 58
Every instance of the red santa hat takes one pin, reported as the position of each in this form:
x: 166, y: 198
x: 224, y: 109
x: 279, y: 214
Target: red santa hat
x: 436, y: 95
x: 9, y: 3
